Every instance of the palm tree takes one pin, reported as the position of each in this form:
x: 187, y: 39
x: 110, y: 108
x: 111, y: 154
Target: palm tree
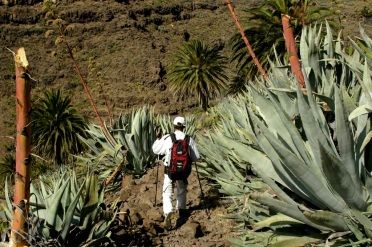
x: 265, y: 30
x: 56, y: 127
x: 198, y: 69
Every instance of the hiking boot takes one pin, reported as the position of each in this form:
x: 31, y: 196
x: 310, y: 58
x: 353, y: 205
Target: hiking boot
x: 183, y: 213
x: 168, y: 221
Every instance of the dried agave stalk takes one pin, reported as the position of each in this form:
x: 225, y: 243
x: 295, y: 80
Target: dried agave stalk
x: 23, y: 147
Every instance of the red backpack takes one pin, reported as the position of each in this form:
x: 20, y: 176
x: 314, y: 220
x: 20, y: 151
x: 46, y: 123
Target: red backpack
x: 180, y: 162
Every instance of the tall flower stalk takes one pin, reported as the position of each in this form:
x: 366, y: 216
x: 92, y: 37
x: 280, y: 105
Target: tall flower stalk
x: 246, y: 41
x: 290, y: 44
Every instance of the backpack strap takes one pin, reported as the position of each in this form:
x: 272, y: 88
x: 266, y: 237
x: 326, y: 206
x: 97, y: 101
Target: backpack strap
x: 173, y: 137
x: 187, y: 138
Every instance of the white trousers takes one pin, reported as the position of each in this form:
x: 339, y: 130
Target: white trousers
x: 168, y: 191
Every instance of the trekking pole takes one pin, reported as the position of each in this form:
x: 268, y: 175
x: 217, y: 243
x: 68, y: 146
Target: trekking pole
x: 201, y: 190
x: 157, y: 175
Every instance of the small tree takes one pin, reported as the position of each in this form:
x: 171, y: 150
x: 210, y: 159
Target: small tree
x: 198, y: 69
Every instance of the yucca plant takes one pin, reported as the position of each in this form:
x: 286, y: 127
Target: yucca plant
x: 318, y: 176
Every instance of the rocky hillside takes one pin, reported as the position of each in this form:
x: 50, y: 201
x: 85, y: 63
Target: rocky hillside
x: 122, y: 47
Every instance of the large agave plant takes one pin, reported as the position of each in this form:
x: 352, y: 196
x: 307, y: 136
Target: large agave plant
x: 318, y: 176
x: 133, y: 134
x: 65, y: 211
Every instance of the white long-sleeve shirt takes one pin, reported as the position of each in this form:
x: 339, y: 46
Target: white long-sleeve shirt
x: 164, y: 145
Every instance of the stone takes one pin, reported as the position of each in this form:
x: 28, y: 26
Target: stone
x: 191, y: 229
x: 155, y: 214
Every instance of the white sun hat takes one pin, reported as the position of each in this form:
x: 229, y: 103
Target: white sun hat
x: 179, y: 121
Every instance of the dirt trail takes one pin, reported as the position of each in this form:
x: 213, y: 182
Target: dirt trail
x: 203, y: 226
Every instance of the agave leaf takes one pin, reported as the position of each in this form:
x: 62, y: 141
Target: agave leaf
x: 315, y: 128
x: 328, y: 219
x: 3, y: 219
x: 37, y: 198
x: 75, y: 187
x: 280, y: 171
x: 345, y: 140
x: 362, y: 128
x: 277, y: 120
x: 360, y: 50
x: 284, y: 171
x: 329, y: 41
x: 354, y: 228
x: 8, y: 207
x: 91, y: 200
x: 279, y: 192
x: 341, y: 181
x: 229, y: 188
x: 361, y: 110
x: 315, y: 109
x: 259, y: 239
x: 277, y: 220
x: 365, y: 38
x: 287, y: 209
x: 368, y: 232
x: 249, y: 135
x: 296, y: 241
x: 367, y: 82
x: 45, y: 192
x: 101, y: 229
x: 259, y: 161
x: 366, y: 140
x: 66, y: 200
x: 69, y: 215
x: 308, y: 177
x: 118, y: 148
x: 362, y: 218
x: 308, y: 50
x: 304, y: 48
x: 329, y: 101
x: 233, y: 171
x: 54, y: 209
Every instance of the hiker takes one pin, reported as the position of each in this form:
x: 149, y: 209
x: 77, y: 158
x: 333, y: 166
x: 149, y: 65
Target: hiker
x: 163, y: 146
